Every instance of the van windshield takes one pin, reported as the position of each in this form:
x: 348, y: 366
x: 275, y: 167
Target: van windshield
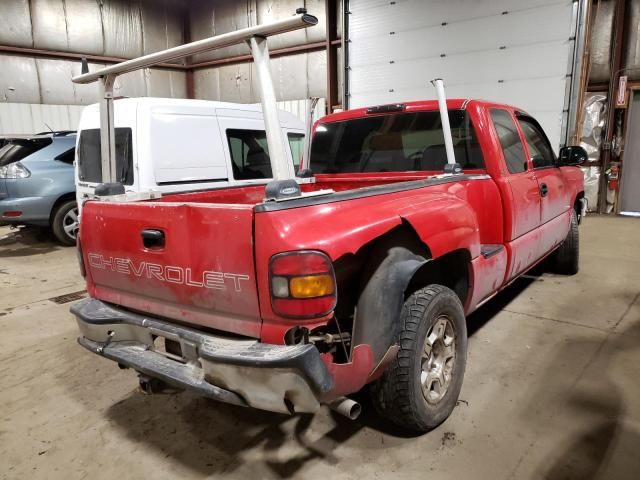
x: 89, y: 157
x: 393, y: 143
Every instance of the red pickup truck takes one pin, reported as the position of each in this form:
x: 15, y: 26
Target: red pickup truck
x: 364, y: 280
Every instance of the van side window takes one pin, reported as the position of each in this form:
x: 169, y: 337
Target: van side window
x: 509, y: 140
x: 296, y: 143
x: 542, y: 155
x: 249, y: 154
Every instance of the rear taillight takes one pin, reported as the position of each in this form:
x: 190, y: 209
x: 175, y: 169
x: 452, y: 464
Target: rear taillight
x: 83, y: 271
x: 302, y: 284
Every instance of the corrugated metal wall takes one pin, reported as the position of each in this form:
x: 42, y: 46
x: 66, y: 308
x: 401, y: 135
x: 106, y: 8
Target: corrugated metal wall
x: 116, y: 28
x: 295, y: 76
x: 34, y: 91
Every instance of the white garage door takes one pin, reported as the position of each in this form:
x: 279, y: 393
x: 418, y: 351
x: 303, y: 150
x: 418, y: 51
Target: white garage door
x: 510, y: 51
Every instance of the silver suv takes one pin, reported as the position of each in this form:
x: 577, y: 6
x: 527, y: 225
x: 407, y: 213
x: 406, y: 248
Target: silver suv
x: 37, y: 183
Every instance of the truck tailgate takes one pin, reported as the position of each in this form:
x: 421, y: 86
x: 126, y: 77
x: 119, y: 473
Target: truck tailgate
x: 190, y: 262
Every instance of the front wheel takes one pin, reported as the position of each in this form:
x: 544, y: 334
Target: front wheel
x: 65, y: 223
x: 421, y: 386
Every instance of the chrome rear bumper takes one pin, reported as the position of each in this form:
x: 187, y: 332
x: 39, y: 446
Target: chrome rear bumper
x: 233, y: 370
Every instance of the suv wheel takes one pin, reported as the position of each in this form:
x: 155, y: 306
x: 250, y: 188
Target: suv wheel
x: 65, y: 223
x: 420, y: 388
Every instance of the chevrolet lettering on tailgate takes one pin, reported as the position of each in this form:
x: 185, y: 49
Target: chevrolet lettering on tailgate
x: 169, y: 273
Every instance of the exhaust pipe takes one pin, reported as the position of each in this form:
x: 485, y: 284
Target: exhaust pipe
x: 347, y: 407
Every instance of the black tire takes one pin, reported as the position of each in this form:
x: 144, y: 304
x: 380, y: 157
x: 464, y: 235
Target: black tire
x: 398, y: 395
x: 566, y: 258
x: 60, y: 221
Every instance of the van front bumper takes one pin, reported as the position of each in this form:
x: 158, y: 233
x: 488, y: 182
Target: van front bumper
x: 234, y: 370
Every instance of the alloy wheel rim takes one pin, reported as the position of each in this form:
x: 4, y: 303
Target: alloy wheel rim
x: 438, y: 360
x: 70, y: 223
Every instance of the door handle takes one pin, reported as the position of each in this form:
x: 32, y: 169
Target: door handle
x: 152, y: 238
x: 544, y: 189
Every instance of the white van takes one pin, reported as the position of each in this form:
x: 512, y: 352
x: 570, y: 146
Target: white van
x: 171, y: 145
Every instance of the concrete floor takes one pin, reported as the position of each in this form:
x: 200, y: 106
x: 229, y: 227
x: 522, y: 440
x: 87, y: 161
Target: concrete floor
x: 552, y: 390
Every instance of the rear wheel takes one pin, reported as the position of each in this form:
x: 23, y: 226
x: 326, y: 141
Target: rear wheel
x: 420, y: 388
x: 566, y: 258
x: 65, y: 223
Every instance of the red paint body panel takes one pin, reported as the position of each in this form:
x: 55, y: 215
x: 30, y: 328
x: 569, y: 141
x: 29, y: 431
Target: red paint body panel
x: 213, y: 269
x: 204, y: 273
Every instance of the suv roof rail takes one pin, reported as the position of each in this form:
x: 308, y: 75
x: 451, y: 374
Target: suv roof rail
x: 57, y: 133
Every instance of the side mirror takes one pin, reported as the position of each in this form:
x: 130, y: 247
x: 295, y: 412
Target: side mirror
x: 572, y: 156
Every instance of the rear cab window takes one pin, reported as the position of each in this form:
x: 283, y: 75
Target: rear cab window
x: 394, y: 143
x: 89, y: 156
x: 510, y: 141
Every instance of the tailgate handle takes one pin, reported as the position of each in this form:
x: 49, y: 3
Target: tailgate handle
x: 152, y: 238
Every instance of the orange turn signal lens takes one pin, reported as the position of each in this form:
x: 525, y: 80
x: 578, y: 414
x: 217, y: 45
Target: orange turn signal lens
x: 311, y: 286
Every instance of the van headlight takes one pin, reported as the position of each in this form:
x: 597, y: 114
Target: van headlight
x: 14, y: 170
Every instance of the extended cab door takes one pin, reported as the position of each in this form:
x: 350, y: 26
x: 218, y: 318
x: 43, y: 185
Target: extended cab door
x: 519, y: 190
x: 554, y: 191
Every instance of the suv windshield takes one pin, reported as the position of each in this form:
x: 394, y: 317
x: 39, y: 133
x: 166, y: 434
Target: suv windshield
x: 393, y: 143
x: 90, y: 164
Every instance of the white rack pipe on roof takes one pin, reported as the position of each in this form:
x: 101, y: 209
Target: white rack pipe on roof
x: 444, y: 119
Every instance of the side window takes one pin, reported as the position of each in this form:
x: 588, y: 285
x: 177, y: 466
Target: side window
x: 542, y: 155
x: 249, y: 154
x: 510, y: 141
x: 296, y: 143
x: 67, y: 157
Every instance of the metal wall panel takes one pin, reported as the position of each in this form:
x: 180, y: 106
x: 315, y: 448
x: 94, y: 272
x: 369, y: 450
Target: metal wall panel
x: 122, y: 29
x: 162, y: 26
x: 600, y: 42
x: 207, y: 18
x: 294, y: 77
x: 15, y: 24
x: 84, y: 27
x: 235, y: 84
x: 214, y: 18
x: 19, y: 79
x: 49, y: 24
x: 29, y: 80
x: 316, y: 74
x: 54, y: 78
x: 25, y: 118
x: 508, y: 51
